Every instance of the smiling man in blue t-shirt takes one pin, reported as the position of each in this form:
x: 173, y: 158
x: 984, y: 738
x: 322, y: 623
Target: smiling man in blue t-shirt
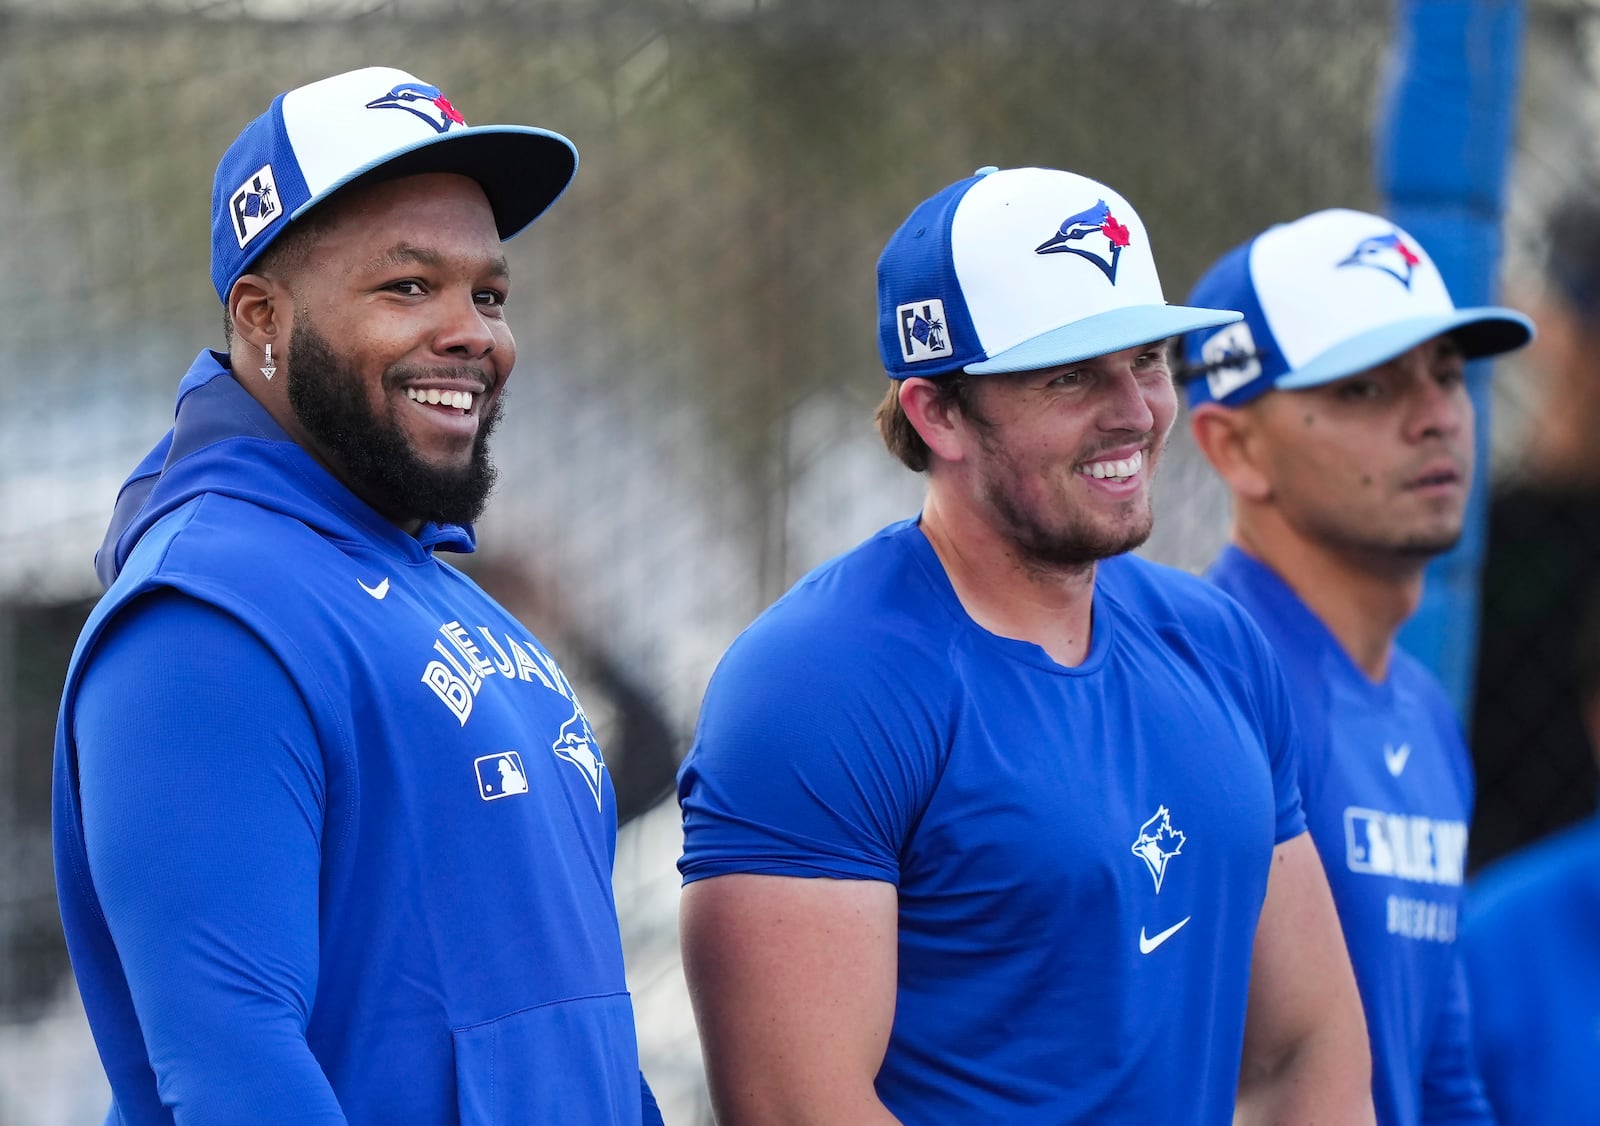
x: 1337, y: 413
x: 987, y: 820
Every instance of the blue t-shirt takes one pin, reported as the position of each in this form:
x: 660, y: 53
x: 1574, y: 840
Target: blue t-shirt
x: 1081, y: 853
x: 1387, y: 786
x: 1533, y: 957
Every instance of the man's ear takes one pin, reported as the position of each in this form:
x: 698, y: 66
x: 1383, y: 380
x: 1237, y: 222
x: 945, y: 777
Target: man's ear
x: 259, y: 306
x: 1229, y: 439
x: 935, y: 417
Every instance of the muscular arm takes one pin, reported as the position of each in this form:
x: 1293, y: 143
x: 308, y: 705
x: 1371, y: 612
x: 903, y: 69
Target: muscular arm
x: 201, y: 791
x: 793, y: 986
x: 1306, y: 1054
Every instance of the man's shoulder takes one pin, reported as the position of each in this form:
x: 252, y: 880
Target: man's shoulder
x: 876, y: 604
x: 219, y: 536
x: 1522, y: 888
x: 1162, y: 594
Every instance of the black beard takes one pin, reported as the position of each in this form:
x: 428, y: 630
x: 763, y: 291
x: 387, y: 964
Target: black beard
x: 371, y: 454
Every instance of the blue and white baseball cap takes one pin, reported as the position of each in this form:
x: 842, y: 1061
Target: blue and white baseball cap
x: 1324, y: 298
x: 1018, y: 270
x: 378, y: 122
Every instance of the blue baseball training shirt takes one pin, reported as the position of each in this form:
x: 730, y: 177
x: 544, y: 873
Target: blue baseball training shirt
x: 1081, y: 854
x: 1387, y: 786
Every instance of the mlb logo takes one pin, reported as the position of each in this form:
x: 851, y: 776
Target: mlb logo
x: 1232, y: 357
x: 500, y: 775
x: 923, y: 333
x: 1369, y: 846
x: 255, y: 206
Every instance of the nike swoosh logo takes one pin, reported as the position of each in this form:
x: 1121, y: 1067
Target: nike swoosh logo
x: 1146, y: 945
x: 378, y: 591
x: 1395, y: 757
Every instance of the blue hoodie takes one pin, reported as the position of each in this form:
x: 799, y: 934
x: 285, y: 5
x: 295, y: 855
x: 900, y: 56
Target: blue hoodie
x: 333, y: 837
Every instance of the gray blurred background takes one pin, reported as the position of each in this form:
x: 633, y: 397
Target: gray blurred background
x: 689, y: 427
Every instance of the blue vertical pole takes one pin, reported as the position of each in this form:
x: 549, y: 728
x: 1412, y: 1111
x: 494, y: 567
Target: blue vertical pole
x: 1442, y: 150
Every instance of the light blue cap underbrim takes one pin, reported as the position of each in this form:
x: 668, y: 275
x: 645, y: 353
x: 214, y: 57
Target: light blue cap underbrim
x: 1102, y: 334
x: 1482, y: 331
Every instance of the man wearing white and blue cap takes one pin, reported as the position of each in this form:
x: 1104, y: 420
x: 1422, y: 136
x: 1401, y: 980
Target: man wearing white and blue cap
x: 988, y: 820
x: 1338, y: 415
x: 333, y: 836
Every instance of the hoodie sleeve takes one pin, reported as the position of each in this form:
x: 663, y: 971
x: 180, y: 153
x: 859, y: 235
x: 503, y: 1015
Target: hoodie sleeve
x: 202, y: 799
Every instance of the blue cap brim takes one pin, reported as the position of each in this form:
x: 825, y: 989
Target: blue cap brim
x: 1483, y: 331
x: 1102, y: 334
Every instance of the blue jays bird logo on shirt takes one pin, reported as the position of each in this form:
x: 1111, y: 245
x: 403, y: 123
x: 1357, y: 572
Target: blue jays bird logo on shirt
x: 427, y: 102
x: 1157, y: 843
x: 1387, y: 254
x: 1093, y: 234
x: 576, y: 744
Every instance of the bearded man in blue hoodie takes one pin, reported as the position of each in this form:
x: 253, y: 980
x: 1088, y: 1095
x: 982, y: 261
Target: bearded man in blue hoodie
x: 333, y: 835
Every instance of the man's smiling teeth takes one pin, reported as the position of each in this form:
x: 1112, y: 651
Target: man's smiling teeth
x: 1115, y: 468
x: 461, y: 400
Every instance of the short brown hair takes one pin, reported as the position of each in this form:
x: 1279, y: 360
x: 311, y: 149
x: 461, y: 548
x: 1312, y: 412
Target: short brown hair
x: 896, y: 430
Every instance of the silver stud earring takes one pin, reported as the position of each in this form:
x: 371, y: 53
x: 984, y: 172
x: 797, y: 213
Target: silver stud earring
x: 268, y: 369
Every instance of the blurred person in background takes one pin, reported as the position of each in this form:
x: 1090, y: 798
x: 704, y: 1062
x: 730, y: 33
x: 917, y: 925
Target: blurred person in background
x: 333, y: 835
x: 1529, y: 733
x: 1532, y: 957
x: 1337, y: 413
x: 988, y: 820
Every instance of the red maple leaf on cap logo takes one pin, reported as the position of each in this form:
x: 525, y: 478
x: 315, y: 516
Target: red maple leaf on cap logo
x: 450, y: 112
x: 1115, y: 231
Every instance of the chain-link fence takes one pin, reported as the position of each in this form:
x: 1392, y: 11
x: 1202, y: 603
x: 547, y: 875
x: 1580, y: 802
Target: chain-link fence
x: 690, y: 423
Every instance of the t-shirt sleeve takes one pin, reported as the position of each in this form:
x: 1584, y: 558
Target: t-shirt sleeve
x: 202, y: 796
x: 809, y: 760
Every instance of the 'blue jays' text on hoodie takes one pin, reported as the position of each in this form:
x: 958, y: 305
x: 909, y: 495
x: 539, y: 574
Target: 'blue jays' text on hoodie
x: 333, y: 837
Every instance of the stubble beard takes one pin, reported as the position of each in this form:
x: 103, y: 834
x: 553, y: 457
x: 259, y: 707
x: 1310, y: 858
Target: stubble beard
x: 1425, y: 547
x: 1406, y: 548
x: 369, y: 450
x: 1074, y: 543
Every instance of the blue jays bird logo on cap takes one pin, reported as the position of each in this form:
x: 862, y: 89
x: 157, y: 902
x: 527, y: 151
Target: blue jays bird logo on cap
x: 1388, y: 254
x: 427, y: 102
x: 1093, y: 233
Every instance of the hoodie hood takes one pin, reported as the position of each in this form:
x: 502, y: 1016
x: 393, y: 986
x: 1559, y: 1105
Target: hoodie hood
x: 223, y: 441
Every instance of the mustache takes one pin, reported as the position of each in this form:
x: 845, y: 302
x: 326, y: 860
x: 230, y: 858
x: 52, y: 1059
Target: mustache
x: 401, y: 374
x: 1147, y: 441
